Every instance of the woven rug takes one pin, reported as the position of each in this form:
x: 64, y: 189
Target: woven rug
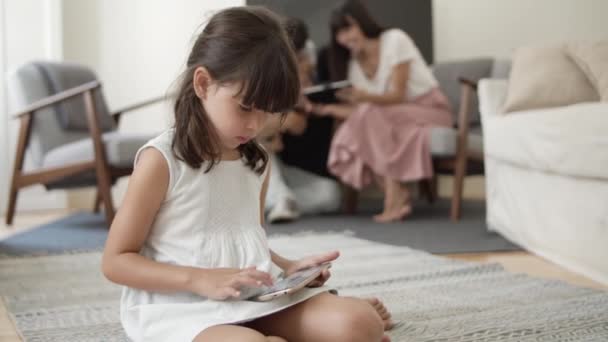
x: 65, y: 298
x: 429, y: 228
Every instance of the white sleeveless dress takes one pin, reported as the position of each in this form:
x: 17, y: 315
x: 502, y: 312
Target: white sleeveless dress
x: 206, y: 220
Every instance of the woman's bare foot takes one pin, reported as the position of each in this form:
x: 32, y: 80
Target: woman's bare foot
x: 382, y: 312
x: 397, y: 205
x: 394, y: 215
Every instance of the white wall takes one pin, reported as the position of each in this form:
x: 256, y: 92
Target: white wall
x: 494, y: 28
x: 31, y: 29
x: 4, y: 170
x: 137, y: 47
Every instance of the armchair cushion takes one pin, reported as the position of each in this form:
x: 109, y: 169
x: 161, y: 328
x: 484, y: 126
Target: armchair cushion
x: 71, y: 114
x: 120, y: 150
x: 443, y: 142
x: 544, y: 77
x: 592, y: 58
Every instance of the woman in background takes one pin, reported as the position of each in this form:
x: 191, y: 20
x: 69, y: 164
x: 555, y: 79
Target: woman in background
x: 387, y: 113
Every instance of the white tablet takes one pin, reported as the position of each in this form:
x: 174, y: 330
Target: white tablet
x: 289, y: 285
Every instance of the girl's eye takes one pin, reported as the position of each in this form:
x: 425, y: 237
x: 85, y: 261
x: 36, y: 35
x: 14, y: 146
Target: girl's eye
x: 245, y: 108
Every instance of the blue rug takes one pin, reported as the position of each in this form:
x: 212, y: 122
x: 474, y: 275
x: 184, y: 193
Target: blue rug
x: 429, y: 229
x: 78, y: 232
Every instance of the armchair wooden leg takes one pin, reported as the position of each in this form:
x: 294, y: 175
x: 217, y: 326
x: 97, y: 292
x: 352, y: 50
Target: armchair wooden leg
x: 434, y: 188
x: 428, y: 188
x: 350, y: 197
x: 97, y: 204
x: 459, y: 172
x: 24, y: 133
x: 102, y: 170
x: 104, y: 188
x: 12, y: 201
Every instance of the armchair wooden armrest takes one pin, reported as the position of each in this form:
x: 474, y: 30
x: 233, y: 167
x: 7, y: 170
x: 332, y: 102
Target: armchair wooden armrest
x: 468, y: 82
x: 53, y: 99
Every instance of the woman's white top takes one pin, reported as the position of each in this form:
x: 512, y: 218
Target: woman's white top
x: 396, y: 47
x: 207, y: 220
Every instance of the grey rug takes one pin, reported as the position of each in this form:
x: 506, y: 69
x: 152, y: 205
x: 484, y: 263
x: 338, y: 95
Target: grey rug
x: 65, y: 298
x: 428, y: 229
x: 78, y: 232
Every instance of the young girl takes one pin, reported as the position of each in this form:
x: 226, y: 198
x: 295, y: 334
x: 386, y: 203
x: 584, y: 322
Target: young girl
x: 394, y: 101
x: 188, y: 236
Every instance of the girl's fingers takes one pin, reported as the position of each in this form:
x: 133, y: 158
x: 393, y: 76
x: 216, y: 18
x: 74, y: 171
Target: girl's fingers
x: 229, y: 292
x: 264, y: 277
x: 315, y: 283
x: 245, y: 281
x: 323, y: 258
x: 320, y: 280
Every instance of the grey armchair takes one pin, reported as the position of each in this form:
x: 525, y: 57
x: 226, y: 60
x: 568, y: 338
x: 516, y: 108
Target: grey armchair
x: 459, y: 150
x: 70, y: 135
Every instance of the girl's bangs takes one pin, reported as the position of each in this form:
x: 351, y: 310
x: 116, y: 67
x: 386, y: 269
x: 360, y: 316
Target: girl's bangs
x: 271, y: 83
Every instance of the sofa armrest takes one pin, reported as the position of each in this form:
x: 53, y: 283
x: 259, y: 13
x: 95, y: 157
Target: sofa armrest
x: 492, y: 94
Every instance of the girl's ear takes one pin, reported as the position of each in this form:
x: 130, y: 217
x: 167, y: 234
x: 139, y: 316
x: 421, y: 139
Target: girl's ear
x: 201, y: 82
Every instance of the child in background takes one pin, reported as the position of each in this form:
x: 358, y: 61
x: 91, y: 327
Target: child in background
x: 299, y: 180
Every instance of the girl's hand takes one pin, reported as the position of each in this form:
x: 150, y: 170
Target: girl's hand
x: 351, y: 95
x: 226, y: 283
x: 313, y: 261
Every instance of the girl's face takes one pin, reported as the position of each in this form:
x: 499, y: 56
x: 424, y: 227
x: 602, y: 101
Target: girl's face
x: 235, y: 123
x: 351, y: 37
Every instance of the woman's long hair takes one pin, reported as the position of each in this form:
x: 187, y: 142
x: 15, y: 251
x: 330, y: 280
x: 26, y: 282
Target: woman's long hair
x: 245, y: 45
x: 339, y: 55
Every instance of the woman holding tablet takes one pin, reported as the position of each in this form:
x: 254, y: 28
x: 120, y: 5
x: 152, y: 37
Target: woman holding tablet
x: 387, y: 113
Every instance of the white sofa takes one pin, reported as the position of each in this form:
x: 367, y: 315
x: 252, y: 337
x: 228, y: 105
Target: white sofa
x: 547, y: 179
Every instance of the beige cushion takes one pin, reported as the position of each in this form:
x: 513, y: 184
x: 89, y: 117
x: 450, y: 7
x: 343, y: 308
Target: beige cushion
x: 544, y: 77
x: 592, y: 58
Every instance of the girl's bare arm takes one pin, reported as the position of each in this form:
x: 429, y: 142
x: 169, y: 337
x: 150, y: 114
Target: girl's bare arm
x: 122, y: 262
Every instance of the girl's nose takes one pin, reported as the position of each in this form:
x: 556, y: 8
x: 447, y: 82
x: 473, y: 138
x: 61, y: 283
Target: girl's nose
x: 257, y: 121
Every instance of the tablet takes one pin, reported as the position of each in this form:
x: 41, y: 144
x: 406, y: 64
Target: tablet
x: 289, y: 285
x: 326, y: 92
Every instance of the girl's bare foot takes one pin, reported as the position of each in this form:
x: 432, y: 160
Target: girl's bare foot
x: 382, y: 312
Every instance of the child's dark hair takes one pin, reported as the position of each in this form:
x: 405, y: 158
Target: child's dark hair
x: 297, y: 32
x: 246, y: 45
x: 339, y: 55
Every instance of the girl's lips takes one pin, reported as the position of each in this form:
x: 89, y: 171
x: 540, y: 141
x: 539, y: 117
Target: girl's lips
x: 243, y: 140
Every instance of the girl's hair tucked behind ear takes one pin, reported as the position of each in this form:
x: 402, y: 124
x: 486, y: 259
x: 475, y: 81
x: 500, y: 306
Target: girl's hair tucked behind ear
x: 245, y: 45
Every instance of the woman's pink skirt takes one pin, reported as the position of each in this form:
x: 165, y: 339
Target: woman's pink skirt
x: 389, y: 141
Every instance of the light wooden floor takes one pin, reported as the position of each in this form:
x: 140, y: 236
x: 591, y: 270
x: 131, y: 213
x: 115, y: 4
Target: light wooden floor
x: 517, y: 262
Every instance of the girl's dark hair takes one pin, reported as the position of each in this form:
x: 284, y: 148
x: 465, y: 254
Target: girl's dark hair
x: 339, y: 55
x: 246, y: 45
